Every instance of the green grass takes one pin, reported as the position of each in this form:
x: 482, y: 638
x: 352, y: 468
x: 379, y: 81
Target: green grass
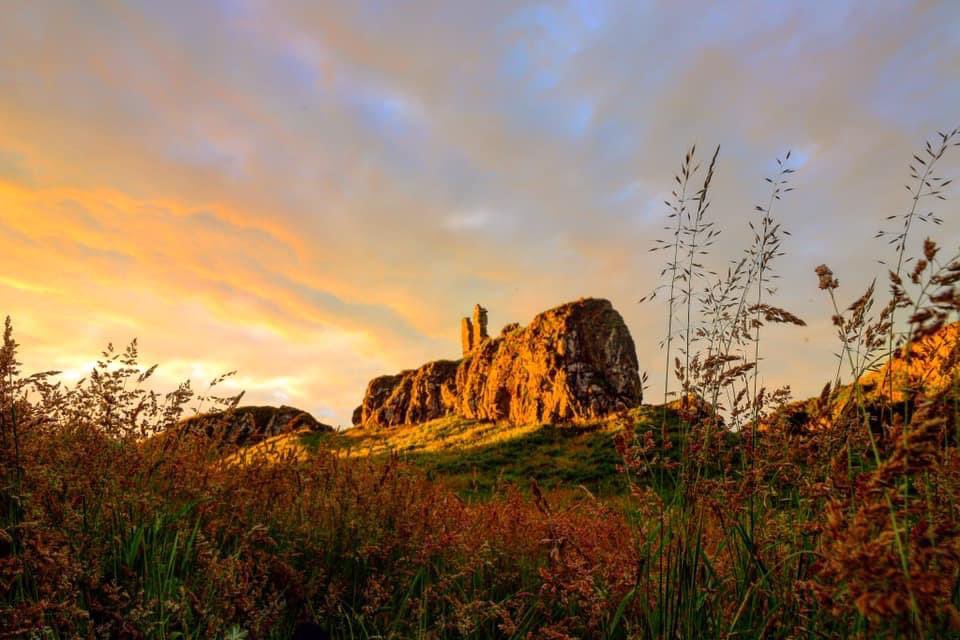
x: 556, y: 457
x: 327, y: 440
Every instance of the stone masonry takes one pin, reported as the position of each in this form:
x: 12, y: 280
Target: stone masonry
x: 473, y: 332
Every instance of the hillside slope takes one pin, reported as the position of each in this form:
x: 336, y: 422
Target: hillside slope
x: 475, y: 457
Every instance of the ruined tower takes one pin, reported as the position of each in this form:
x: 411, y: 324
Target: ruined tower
x: 473, y: 332
x: 479, y: 325
x: 466, y: 336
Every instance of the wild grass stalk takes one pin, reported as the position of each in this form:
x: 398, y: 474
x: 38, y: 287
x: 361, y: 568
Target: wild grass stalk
x: 672, y: 268
x: 927, y: 184
x: 696, y: 237
x: 768, y: 237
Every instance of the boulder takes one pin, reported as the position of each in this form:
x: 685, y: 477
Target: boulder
x: 574, y: 363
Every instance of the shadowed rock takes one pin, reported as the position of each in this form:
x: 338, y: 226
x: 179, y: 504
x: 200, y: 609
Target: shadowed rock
x: 252, y: 424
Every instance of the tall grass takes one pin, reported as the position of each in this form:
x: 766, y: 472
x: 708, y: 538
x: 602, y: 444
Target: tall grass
x: 750, y: 516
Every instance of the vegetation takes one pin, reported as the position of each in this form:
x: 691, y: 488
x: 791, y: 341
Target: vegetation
x: 556, y: 458
x: 738, y: 514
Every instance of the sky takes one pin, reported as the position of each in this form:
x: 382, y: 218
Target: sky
x: 313, y: 193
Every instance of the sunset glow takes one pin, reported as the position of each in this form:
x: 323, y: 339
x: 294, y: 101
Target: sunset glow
x: 314, y: 193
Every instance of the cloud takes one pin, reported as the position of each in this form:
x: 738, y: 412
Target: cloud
x: 314, y: 193
x: 473, y: 220
x: 13, y: 170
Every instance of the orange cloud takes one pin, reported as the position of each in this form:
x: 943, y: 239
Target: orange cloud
x: 314, y: 193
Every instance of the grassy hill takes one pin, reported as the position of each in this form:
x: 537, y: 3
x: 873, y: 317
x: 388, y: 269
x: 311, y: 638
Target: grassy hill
x: 477, y: 458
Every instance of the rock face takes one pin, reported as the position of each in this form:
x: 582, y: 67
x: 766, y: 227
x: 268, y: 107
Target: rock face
x: 926, y: 366
x: 574, y: 363
x: 250, y: 425
x: 921, y: 371
x: 410, y: 396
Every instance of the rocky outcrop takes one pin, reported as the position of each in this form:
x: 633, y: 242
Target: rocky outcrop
x: 574, y: 363
x: 410, y: 396
x: 925, y: 366
x: 250, y: 425
x: 923, y: 371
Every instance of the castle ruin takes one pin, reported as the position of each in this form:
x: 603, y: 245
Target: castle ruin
x: 473, y: 332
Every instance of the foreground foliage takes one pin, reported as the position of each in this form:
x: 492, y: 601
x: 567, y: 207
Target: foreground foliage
x: 745, y: 517
x: 106, y: 533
